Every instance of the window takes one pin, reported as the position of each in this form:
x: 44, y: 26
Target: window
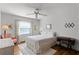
x: 24, y: 27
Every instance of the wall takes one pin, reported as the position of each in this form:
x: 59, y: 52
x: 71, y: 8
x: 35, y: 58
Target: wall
x: 12, y: 19
x: 77, y: 42
x: 0, y: 21
x: 58, y: 15
x: 9, y: 16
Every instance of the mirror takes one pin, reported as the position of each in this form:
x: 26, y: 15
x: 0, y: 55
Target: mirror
x: 49, y: 26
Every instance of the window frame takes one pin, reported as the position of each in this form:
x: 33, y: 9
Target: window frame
x: 26, y: 22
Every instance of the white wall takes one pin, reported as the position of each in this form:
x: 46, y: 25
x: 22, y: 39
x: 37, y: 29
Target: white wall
x: 12, y: 19
x: 9, y: 16
x: 58, y: 15
x: 0, y: 21
x: 77, y: 42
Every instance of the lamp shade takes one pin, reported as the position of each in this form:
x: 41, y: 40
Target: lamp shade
x: 6, y: 27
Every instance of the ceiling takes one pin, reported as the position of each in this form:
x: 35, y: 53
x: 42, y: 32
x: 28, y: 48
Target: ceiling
x: 22, y: 9
x: 47, y: 5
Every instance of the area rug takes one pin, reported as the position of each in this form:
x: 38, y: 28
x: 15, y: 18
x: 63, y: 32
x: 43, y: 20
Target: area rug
x: 26, y: 51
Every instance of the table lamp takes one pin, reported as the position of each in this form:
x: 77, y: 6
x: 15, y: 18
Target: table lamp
x: 6, y: 27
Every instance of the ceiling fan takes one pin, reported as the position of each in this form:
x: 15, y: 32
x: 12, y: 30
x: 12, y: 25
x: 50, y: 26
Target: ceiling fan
x: 37, y: 13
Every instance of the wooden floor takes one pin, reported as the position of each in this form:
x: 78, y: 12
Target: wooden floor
x: 59, y: 51
x: 64, y: 51
x: 17, y: 50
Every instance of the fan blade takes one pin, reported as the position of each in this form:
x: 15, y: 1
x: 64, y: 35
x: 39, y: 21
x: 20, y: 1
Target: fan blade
x: 42, y: 14
x: 30, y: 14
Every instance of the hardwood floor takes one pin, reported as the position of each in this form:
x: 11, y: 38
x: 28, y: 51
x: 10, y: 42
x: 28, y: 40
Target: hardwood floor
x: 59, y: 51
x: 17, y: 50
x: 64, y: 51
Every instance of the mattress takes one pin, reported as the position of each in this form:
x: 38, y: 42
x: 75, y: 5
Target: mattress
x: 40, y: 43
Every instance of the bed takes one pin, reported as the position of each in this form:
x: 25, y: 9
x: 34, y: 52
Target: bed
x: 40, y: 43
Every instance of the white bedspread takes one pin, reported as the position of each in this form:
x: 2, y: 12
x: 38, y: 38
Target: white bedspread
x: 7, y: 42
x: 40, y: 43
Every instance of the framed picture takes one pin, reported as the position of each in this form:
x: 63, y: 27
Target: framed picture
x: 49, y: 26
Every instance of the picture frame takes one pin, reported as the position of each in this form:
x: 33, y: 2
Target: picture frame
x: 49, y: 26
